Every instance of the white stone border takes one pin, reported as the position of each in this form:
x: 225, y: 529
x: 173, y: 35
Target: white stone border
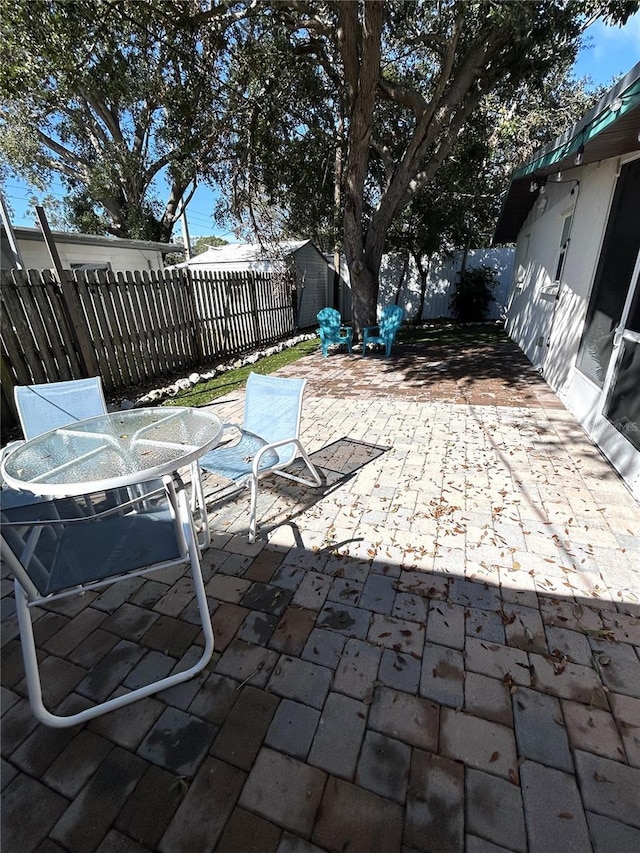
x: 187, y: 382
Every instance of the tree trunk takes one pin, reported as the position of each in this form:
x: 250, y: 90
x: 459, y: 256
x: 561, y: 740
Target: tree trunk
x: 359, y: 42
x: 423, y: 272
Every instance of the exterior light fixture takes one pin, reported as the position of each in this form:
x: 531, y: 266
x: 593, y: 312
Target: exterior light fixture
x: 579, y: 154
x: 559, y: 176
x: 615, y: 105
x: 533, y: 186
x: 542, y: 204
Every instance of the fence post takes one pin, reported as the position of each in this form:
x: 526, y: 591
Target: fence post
x: 77, y: 325
x: 71, y: 304
x: 8, y: 385
x: 195, y: 319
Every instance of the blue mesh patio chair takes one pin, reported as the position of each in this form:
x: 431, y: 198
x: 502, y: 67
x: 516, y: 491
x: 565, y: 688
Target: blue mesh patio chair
x: 55, y: 404
x: 384, y: 333
x: 331, y: 330
x: 269, y: 439
x: 54, y: 552
x: 48, y: 406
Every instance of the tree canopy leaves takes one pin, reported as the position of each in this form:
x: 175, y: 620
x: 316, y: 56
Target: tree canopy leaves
x: 117, y: 98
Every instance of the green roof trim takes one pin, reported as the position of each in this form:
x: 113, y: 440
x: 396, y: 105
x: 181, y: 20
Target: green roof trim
x: 582, y: 132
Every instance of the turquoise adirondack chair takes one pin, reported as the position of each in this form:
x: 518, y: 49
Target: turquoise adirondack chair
x: 384, y: 333
x: 332, y: 331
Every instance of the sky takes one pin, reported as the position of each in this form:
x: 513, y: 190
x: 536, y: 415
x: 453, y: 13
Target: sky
x: 609, y: 53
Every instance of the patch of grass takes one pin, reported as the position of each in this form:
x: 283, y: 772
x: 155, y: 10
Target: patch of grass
x: 205, y: 392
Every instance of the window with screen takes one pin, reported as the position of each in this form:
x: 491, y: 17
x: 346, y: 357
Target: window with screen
x: 564, y: 246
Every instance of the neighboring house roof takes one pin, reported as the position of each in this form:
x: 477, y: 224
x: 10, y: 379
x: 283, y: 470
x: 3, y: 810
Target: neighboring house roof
x: 24, y: 233
x: 609, y: 129
x: 248, y: 253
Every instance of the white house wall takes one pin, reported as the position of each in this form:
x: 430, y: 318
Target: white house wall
x: 597, y: 186
x: 119, y: 258
x: 547, y: 329
x: 532, y: 303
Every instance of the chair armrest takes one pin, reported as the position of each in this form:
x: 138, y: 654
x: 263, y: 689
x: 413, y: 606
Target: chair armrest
x: 272, y: 446
x: 229, y: 427
x: 371, y: 329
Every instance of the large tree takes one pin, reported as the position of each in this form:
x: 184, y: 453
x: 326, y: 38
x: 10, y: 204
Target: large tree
x: 405, y: 80
x: 120, y: 99
x: 459, y: 207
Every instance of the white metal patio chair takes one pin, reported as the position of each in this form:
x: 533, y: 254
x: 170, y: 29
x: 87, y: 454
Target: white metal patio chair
x: 52, y: 557
x: 269, y: 439
x: 47, y: 406
x: 55, y: 404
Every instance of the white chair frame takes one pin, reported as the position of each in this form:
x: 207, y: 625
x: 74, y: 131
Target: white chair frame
x: 28, y: 596
x: 251, y: 473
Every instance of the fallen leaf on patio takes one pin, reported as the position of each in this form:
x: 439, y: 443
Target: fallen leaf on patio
x: 183, y: 785
x: 603, y: 633
x: 494, y: 756
x: 598, y: 777
x: 385, y: 634
x: 566, y: 815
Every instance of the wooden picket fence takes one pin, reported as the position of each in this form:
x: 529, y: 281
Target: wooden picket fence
x: 132, y: 328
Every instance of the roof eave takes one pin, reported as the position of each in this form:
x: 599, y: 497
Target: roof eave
x: 609, y: 129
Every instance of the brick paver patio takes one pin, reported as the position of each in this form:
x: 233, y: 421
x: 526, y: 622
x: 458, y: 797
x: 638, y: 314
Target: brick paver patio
x: 438, y: 650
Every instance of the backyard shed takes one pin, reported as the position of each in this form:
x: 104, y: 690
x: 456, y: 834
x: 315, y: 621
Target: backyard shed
x: 85, y: 251
x: 573, y: 211
x: 311, y: 270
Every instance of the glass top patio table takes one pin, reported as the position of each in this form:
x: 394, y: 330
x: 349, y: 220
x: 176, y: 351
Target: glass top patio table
x: 110, y: 451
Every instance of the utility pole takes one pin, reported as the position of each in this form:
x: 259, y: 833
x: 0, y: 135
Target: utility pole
x: 13, y: 243
x: 185, y: 233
